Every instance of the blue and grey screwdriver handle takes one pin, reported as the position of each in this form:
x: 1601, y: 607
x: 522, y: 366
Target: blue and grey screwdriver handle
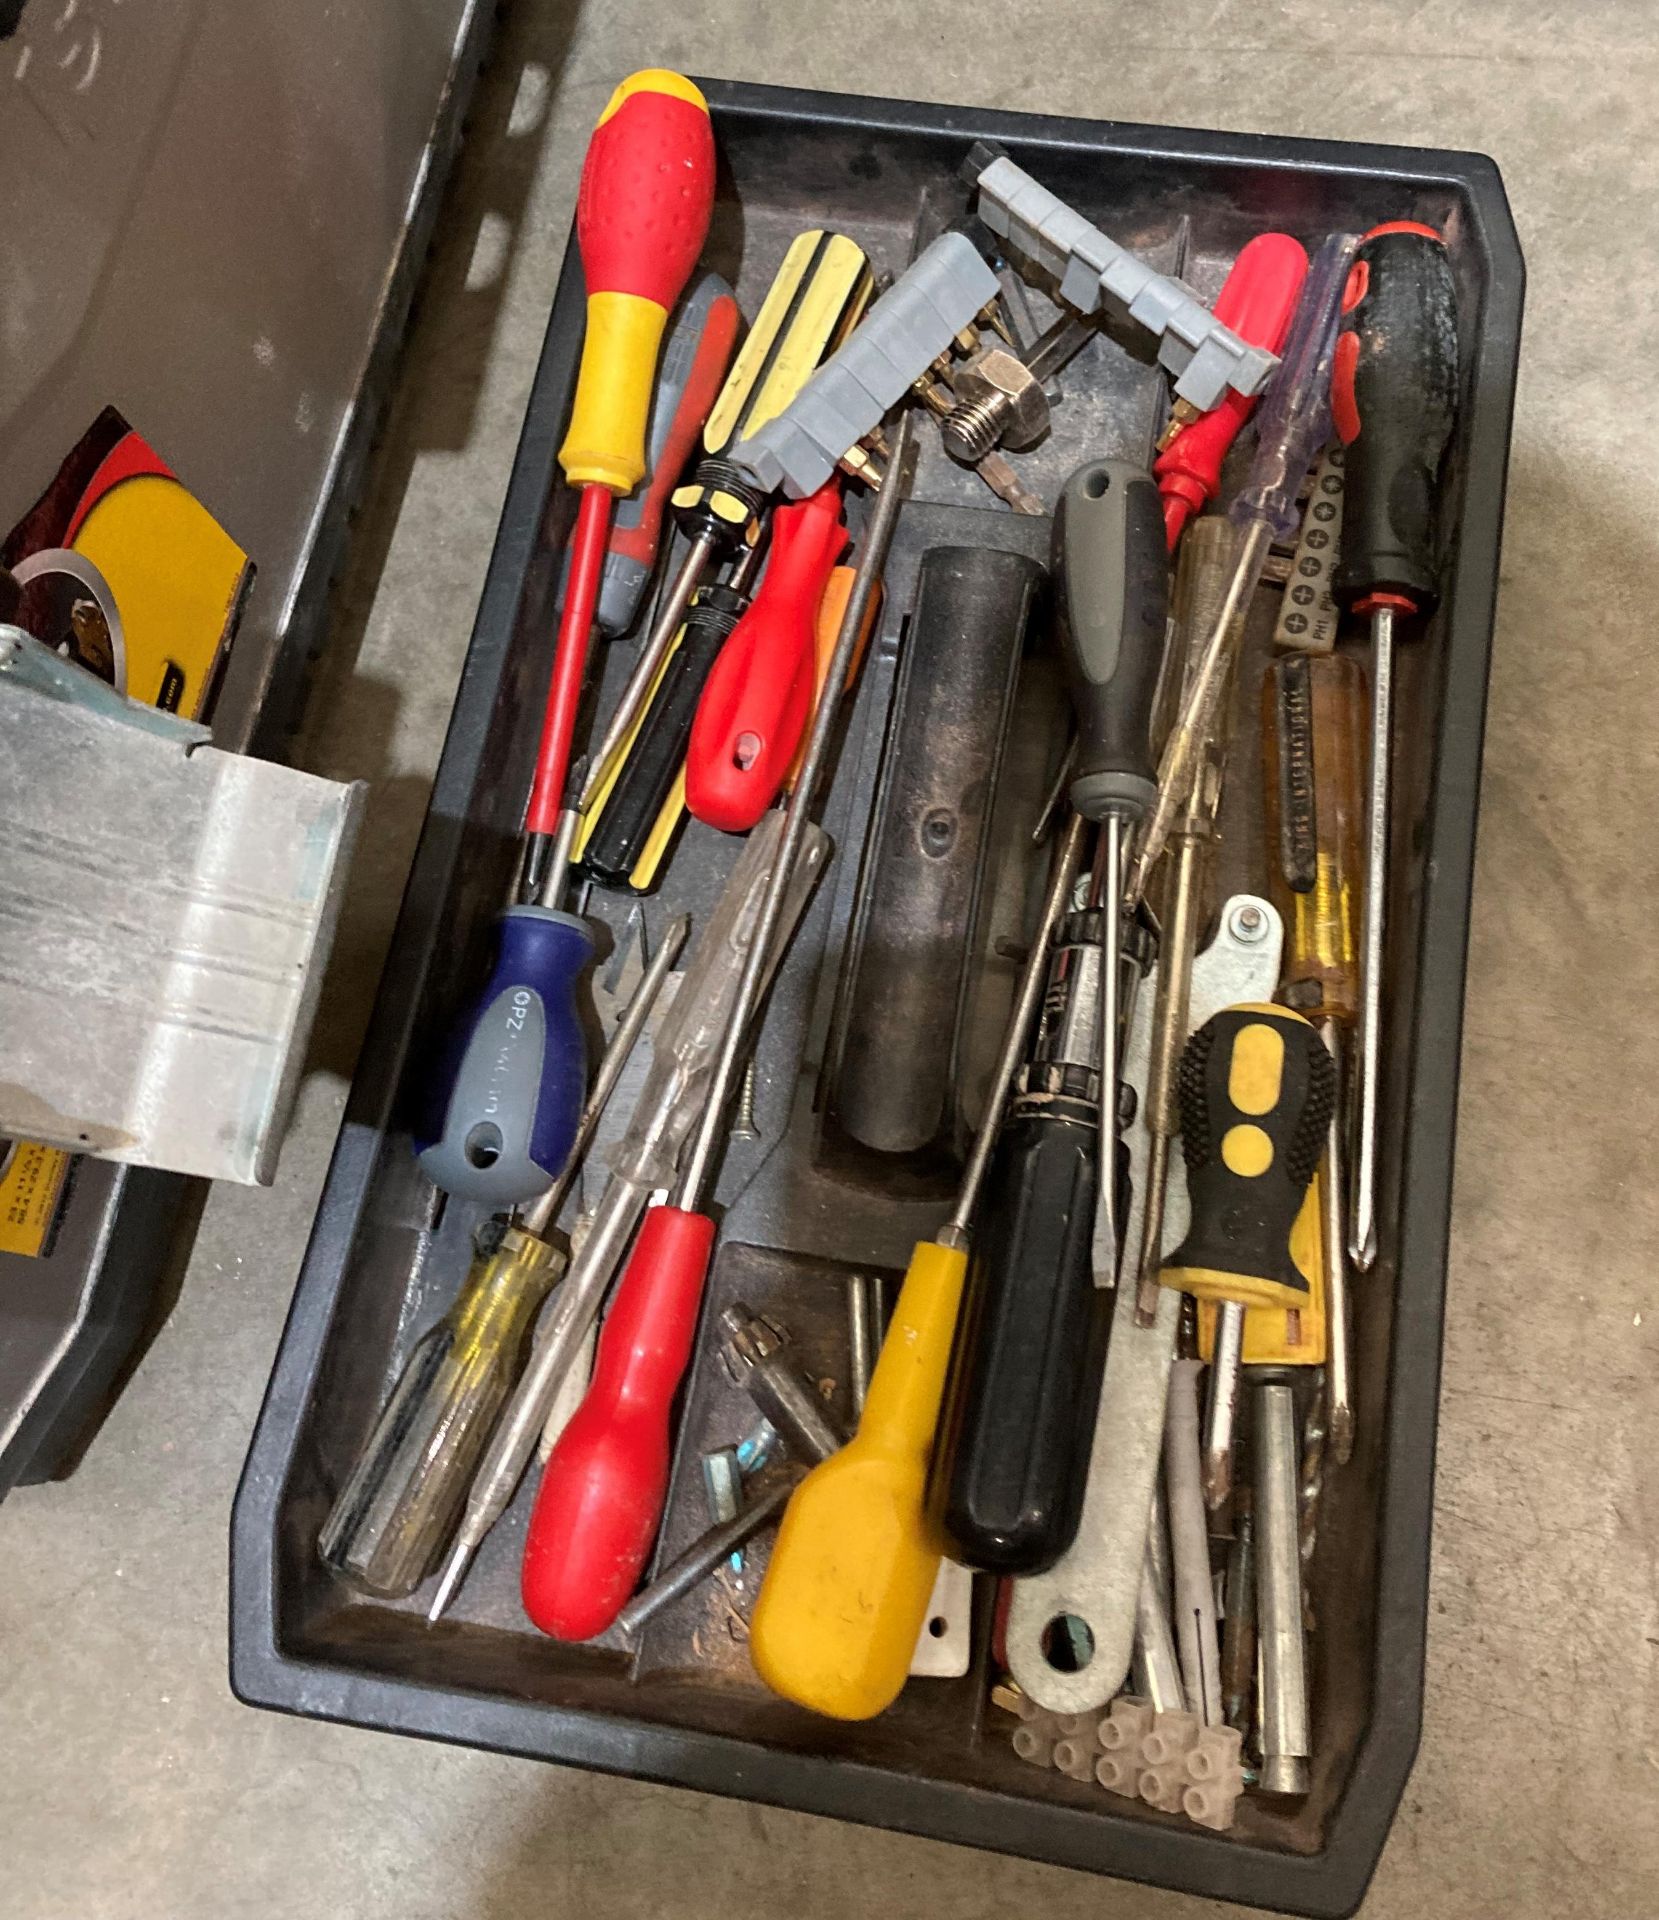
x: 510, y: 1091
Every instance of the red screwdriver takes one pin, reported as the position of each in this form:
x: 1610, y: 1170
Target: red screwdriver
x: 601, y: 1496
x: 642, y: 216
x: 1257, y: 300
x: 759, y: 694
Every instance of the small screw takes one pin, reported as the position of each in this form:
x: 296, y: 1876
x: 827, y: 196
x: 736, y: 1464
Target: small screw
x: 743, y: 1127
x: 1248, y: 925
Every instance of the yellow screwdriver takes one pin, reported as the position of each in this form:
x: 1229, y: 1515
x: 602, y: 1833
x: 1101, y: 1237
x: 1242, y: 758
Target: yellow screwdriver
x: 852, y: 1570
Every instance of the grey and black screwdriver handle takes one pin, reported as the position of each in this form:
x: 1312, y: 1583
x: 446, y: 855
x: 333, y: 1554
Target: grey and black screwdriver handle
x: 1111, y: 566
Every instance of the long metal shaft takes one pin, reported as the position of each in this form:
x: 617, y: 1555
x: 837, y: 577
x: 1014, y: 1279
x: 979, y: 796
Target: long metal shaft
x: 702, y: 1557
x: 1027, y: 998
x: 1339, y: 1365
x: 1221, y: 1407
x: 1169, y: 1035
x: 1178, y: 766
x: 1108, y: 1241
x: 697, y: 1178
x: 543, y: 1211
x: 670, y: 618
x: 1362, y: 1225
x: 1283, y: 1708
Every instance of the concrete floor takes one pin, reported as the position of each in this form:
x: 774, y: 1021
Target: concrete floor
x: 138, y: 1787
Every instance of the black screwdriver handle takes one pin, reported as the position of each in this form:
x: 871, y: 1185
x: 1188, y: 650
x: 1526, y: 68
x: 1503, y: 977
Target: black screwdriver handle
x: 658, y: 752
x: 1111, y: 561
x: 1393, y: 398
x: 1012, y: 1458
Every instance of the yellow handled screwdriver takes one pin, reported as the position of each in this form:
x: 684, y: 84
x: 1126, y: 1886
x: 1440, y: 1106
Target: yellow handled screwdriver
x: 852, y: 1570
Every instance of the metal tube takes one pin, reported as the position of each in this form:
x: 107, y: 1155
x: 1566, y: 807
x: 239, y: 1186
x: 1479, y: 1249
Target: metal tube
x: 1157, y: 1667
x: 1283, y: 1708
x: 1362, y: 1227
x: 543, y: 1211
x: 1033, y: 979
x: 698, y: 1175
x: 1221, y: 1405
x: 652, y: 654
x: 1339, y: 1367
x: 702, y: 1557
x: 1194, y: 1601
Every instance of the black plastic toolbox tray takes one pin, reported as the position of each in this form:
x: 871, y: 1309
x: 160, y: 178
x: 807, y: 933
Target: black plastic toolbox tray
x: 386, y: 1255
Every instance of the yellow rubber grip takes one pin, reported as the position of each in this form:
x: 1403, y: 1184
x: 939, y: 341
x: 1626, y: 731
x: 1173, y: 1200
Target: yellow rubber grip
x: 605, y: 445
x: 853, y: 1567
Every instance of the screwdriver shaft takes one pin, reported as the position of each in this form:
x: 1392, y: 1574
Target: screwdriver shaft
x: 1221, y: 1407
x: 651, y: 656
x: 1339, y: 1375
x: 1362, y: 1226
x: 1108, y: 1234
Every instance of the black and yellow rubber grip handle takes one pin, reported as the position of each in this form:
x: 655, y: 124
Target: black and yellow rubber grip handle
x: 1256, y: 1092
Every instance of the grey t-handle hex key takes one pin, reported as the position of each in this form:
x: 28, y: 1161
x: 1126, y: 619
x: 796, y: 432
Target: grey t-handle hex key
x: 1094, y: 273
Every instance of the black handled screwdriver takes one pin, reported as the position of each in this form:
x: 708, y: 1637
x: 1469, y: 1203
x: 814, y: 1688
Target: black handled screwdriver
x: 1393, y: 400
x: 1111, y: 561
x: 1019, y: 1408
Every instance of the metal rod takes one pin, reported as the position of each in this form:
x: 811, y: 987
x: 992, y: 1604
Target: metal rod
x: 1221, y: 1404
x: 1027, y: 998
x: 543, y: 1211
x: 1108, y: 1231
x: 1283, y: 1708
x: 1171, y: 1008
x: 702, y: 1557
x: 705, y: 1145
x: 1339, y: 1366
x: 670, y: 617
x: 1238, y: 1630
x: 1196, y: 722
x: 1362, y: 1227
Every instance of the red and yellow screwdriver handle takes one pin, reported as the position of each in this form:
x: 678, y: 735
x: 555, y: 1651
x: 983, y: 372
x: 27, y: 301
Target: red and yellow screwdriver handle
x: 1256, y: 1091
x: 641, y: 217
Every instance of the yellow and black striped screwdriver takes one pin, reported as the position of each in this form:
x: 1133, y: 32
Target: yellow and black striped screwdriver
x: 816, y: 297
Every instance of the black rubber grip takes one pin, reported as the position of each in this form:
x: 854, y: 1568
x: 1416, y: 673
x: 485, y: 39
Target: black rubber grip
x: 1111, y: 564
x: 647, y: 775
x: 1251, y: 1136
x: 1393, y: 398
x: 1019, y: 1413
x: 922, y: 887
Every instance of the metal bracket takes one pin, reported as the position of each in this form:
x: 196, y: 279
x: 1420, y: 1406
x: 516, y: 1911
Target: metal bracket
x: 165, y: 915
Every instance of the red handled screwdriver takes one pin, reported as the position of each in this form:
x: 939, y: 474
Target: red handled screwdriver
x: 1393, y: 399
x: 759, y: 695
x: 696, y: 353
x: 601, y: 1495
x: 1258, y: 301
x: 505, y: 1111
